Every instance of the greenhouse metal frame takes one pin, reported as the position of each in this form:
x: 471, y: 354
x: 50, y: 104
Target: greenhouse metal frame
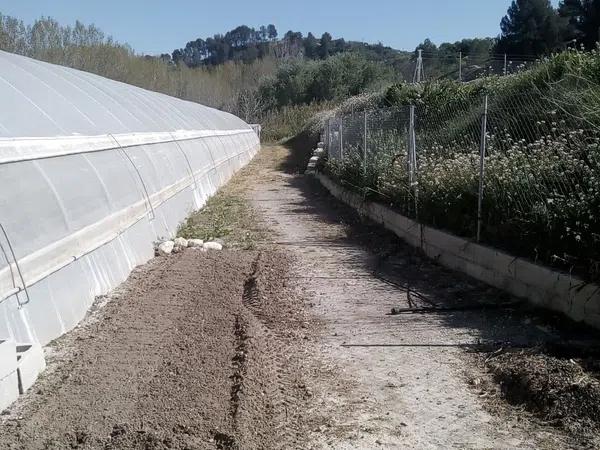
x: 92, y: 172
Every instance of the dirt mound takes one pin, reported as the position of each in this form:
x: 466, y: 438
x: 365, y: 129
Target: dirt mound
x: 560, y: 390
x: 177, y: 360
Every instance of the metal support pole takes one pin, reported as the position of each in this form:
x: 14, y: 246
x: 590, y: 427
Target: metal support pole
x: 412, y: 161
x: 482, y: 166
x: 327, y: 137
x: 365, y: 147
x: 419, y: 68
x: 459, y: 66
x: 505, y: 65
x: 341, y: 138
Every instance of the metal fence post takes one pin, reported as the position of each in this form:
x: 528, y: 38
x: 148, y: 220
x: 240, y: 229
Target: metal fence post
x: 412, y: 159
x: 342, y: 138
x: 482, y: 166
x: 365, y: 147
x: 328, y: 136
x: 414, y: 165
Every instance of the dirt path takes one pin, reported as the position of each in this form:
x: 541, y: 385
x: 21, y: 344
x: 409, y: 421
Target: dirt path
x: 284, y: 341
x: 401, y: 381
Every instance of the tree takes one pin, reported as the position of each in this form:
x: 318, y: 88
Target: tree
x: 580, y: 21
x: 590, y: 25
x: 530, y: 27
x: 271, y: 32
x: 325, y: 47
x: 428, y: 48
x: 263, y: 33
x: 570, y: 13
x: 311, y: 46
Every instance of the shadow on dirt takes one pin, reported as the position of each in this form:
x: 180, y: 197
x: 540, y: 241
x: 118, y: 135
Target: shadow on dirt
x: 300, y: 147
x: 496, y: 324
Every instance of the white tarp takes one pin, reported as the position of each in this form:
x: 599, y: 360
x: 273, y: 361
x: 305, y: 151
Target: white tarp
x: 92, y: 171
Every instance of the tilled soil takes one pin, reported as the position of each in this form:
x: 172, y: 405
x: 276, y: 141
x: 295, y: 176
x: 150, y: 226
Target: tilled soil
x: 179, y: 358
x: 563, y: 391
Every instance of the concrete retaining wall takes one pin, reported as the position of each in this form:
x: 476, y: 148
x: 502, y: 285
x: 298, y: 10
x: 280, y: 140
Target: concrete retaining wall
x: 540, y: 285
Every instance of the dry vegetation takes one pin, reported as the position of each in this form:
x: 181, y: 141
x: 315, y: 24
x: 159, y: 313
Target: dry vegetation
x: 228, y: 86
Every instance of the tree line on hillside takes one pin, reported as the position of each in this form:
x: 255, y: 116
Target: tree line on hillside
x: 247, y: 44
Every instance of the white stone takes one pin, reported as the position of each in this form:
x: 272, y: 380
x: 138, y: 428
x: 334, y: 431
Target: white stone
x: 321, y: 145
x: 319, y: 152
x: 166, y: 248
x: 181, y: 242
x: 314, y: 159
x: 31, y: 363
x: 195, y: 242
x: 213, y: 246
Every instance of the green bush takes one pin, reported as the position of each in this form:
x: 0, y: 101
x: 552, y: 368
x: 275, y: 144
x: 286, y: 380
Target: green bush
x: 542, y: 177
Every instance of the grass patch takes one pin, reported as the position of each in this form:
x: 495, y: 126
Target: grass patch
x: 226, y: 216
x: 229, y: 215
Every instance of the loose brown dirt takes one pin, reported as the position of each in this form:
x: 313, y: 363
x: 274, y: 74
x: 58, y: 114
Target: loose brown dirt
x: 180, y: 358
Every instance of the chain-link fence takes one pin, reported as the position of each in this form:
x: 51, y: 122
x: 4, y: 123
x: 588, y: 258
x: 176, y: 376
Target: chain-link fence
x: 456, y: 66
x: 518, y: 172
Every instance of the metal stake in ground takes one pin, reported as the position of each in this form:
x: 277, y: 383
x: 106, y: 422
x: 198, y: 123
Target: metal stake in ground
x: 365, y: 148
x: 482, y: 165
x: 342, y: 138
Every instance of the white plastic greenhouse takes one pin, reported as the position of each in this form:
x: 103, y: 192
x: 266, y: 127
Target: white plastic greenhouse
x: 92, y: 172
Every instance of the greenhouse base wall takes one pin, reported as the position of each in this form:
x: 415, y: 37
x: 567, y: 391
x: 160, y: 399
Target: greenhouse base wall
x: 540, y: 285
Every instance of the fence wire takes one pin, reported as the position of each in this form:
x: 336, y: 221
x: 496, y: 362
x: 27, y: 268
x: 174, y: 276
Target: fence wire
x: 519, y: 172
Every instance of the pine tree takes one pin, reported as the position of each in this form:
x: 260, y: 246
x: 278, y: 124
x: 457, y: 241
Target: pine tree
x: 590, y: 23
x: 530, y: 27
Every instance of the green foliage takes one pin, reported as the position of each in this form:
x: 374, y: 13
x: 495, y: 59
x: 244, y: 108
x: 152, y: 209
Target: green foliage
x: 288, y: 121
x: 530, y: 27
x: 335, y: 78
x: 542, y: 183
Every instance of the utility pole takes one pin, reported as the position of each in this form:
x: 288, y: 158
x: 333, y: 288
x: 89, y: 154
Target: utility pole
x: 505, y: 65
x: 459, y: 66
x: 418, y: 76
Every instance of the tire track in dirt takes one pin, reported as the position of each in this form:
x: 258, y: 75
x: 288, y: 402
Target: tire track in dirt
x: 176, y: 359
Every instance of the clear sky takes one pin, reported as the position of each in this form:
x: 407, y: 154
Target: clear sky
x: 154, y: 26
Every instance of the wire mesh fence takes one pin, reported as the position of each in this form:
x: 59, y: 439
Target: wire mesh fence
x: 518, y: 172
x: 462, y: 67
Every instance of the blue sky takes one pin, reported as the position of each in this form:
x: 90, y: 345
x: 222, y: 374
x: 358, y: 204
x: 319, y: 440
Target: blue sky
x: 153, y: 26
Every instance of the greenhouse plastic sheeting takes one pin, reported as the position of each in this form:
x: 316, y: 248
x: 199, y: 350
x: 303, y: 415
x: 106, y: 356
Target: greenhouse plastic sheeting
x: 92, y: 172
